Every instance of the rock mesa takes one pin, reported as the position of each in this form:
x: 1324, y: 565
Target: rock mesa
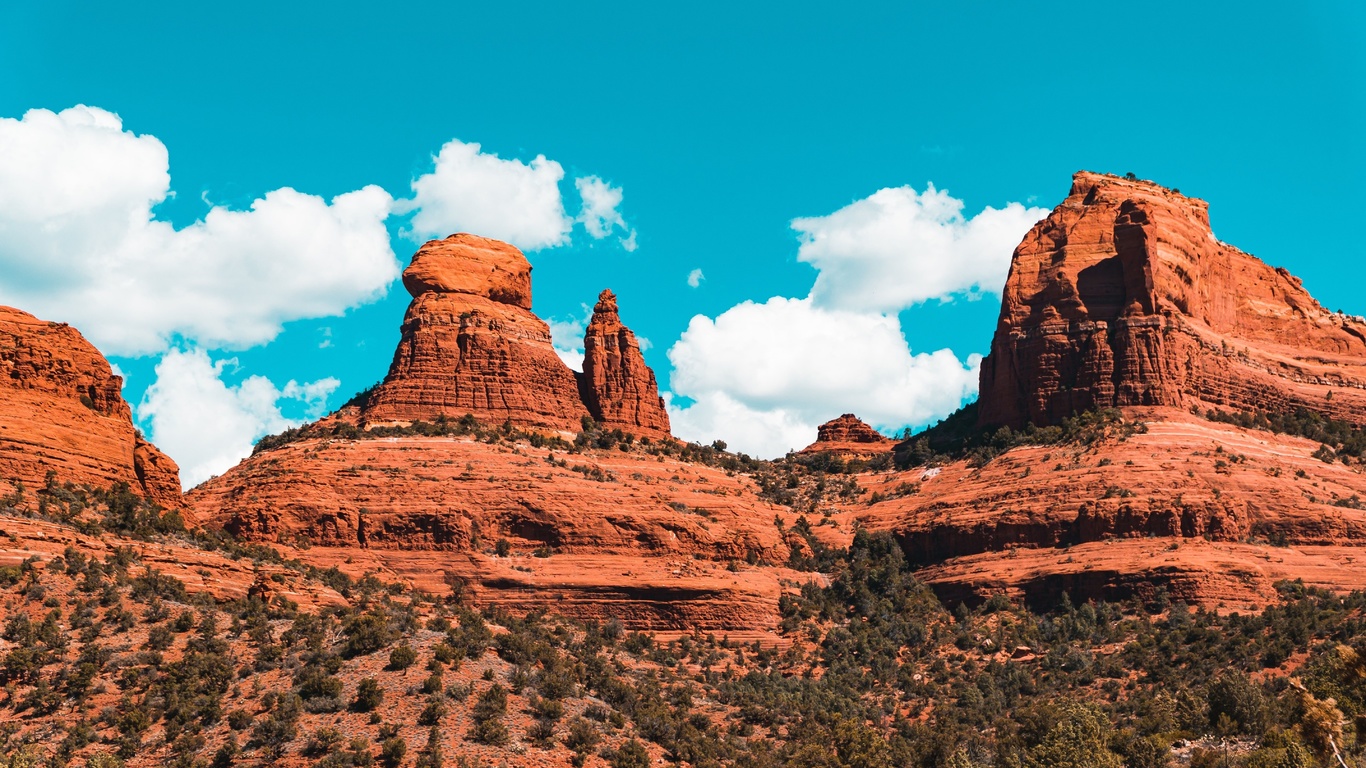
x: 1124, y: 297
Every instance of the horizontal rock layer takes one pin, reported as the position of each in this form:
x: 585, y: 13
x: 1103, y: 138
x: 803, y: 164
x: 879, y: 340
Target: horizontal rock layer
x: 634, y: 542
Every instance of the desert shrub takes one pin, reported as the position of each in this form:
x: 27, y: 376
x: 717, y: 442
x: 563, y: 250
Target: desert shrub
x: 366, y: 633
x: 401, y: 658
x: 369, y: 695
x: 488, y: 717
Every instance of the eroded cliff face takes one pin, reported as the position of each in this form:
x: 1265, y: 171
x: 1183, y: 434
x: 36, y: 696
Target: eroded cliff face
x: 619, y: 390
x: 1124, y: 297
x: 470, y: 344
x: 62, y: 410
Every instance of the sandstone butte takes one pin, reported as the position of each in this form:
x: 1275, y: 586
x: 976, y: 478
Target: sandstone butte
x: 648, y: 539
x: 1123, y: 297
x: 848, y: 435
x: 617, y: 387
x: 61, y: 410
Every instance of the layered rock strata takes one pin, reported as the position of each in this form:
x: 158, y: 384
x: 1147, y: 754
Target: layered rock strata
x: 1211, y: 512
x: 849, y: 435
x: 1123, y: 296
x: 470, y: 344
x: 61, y: 410
x: 619, y: 390
x: 516, y: 521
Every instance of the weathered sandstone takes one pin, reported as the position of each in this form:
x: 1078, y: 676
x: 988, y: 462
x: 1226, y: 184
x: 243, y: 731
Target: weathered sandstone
x: 1123, y: 296
x: 619, y: 390
x: 470, y: 344
x: 623, y: 534
x: 61, y: 410
x: 849, y: 435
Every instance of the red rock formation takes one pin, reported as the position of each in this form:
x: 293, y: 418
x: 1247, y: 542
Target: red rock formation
x: 470, y: 344
x: 61, y: 409
x: 849, y: 435
x: 641, y: 536
x: 618, y: 388
x: 1123, y: 296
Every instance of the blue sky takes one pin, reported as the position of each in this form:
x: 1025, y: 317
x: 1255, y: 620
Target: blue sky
x: 719, y: 126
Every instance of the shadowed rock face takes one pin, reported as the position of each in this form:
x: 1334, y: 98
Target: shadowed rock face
x: 1122, y: 296
x: 61, y: 409
x: 617, y: 387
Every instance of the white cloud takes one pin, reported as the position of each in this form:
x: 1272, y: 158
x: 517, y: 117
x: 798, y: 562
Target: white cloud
x: 79, y: 243
x: 478, y: 192
x: 567, y: 337
x: 209, y: 426
x: 763, y: 376
x: 469, y: 190
x: 695, y: 278
x: 897, y: 248
x: 601, y: 201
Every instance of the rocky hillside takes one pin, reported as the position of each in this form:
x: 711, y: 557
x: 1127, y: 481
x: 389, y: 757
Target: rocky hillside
x: 62, y: 411
x: 127, y: 641
x: 481, y: 465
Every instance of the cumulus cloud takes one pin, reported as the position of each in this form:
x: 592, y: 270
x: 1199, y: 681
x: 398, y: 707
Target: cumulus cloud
x: 469, y: 190
x: 208, y: 425
x: 601, y: 201
x: 566, y: 336
x: 763, y: 376
x: 897, y: 248
x: 695, y: 278
x: 79, y: 243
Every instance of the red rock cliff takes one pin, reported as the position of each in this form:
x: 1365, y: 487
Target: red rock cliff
x: 470, y: 343
x: 61, y: 409
x: 1124, y: 297
x: 618, y: 388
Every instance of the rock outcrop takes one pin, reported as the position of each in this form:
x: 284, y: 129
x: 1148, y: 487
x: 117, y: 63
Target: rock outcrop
x: 1124, y: 297
x: 619, y: 390
x: 509, y: 517
x: 849, y: 435
x: 470, y: 344
x: 62, y: 410
x: 639, y: 536
x: 1174, y: 504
